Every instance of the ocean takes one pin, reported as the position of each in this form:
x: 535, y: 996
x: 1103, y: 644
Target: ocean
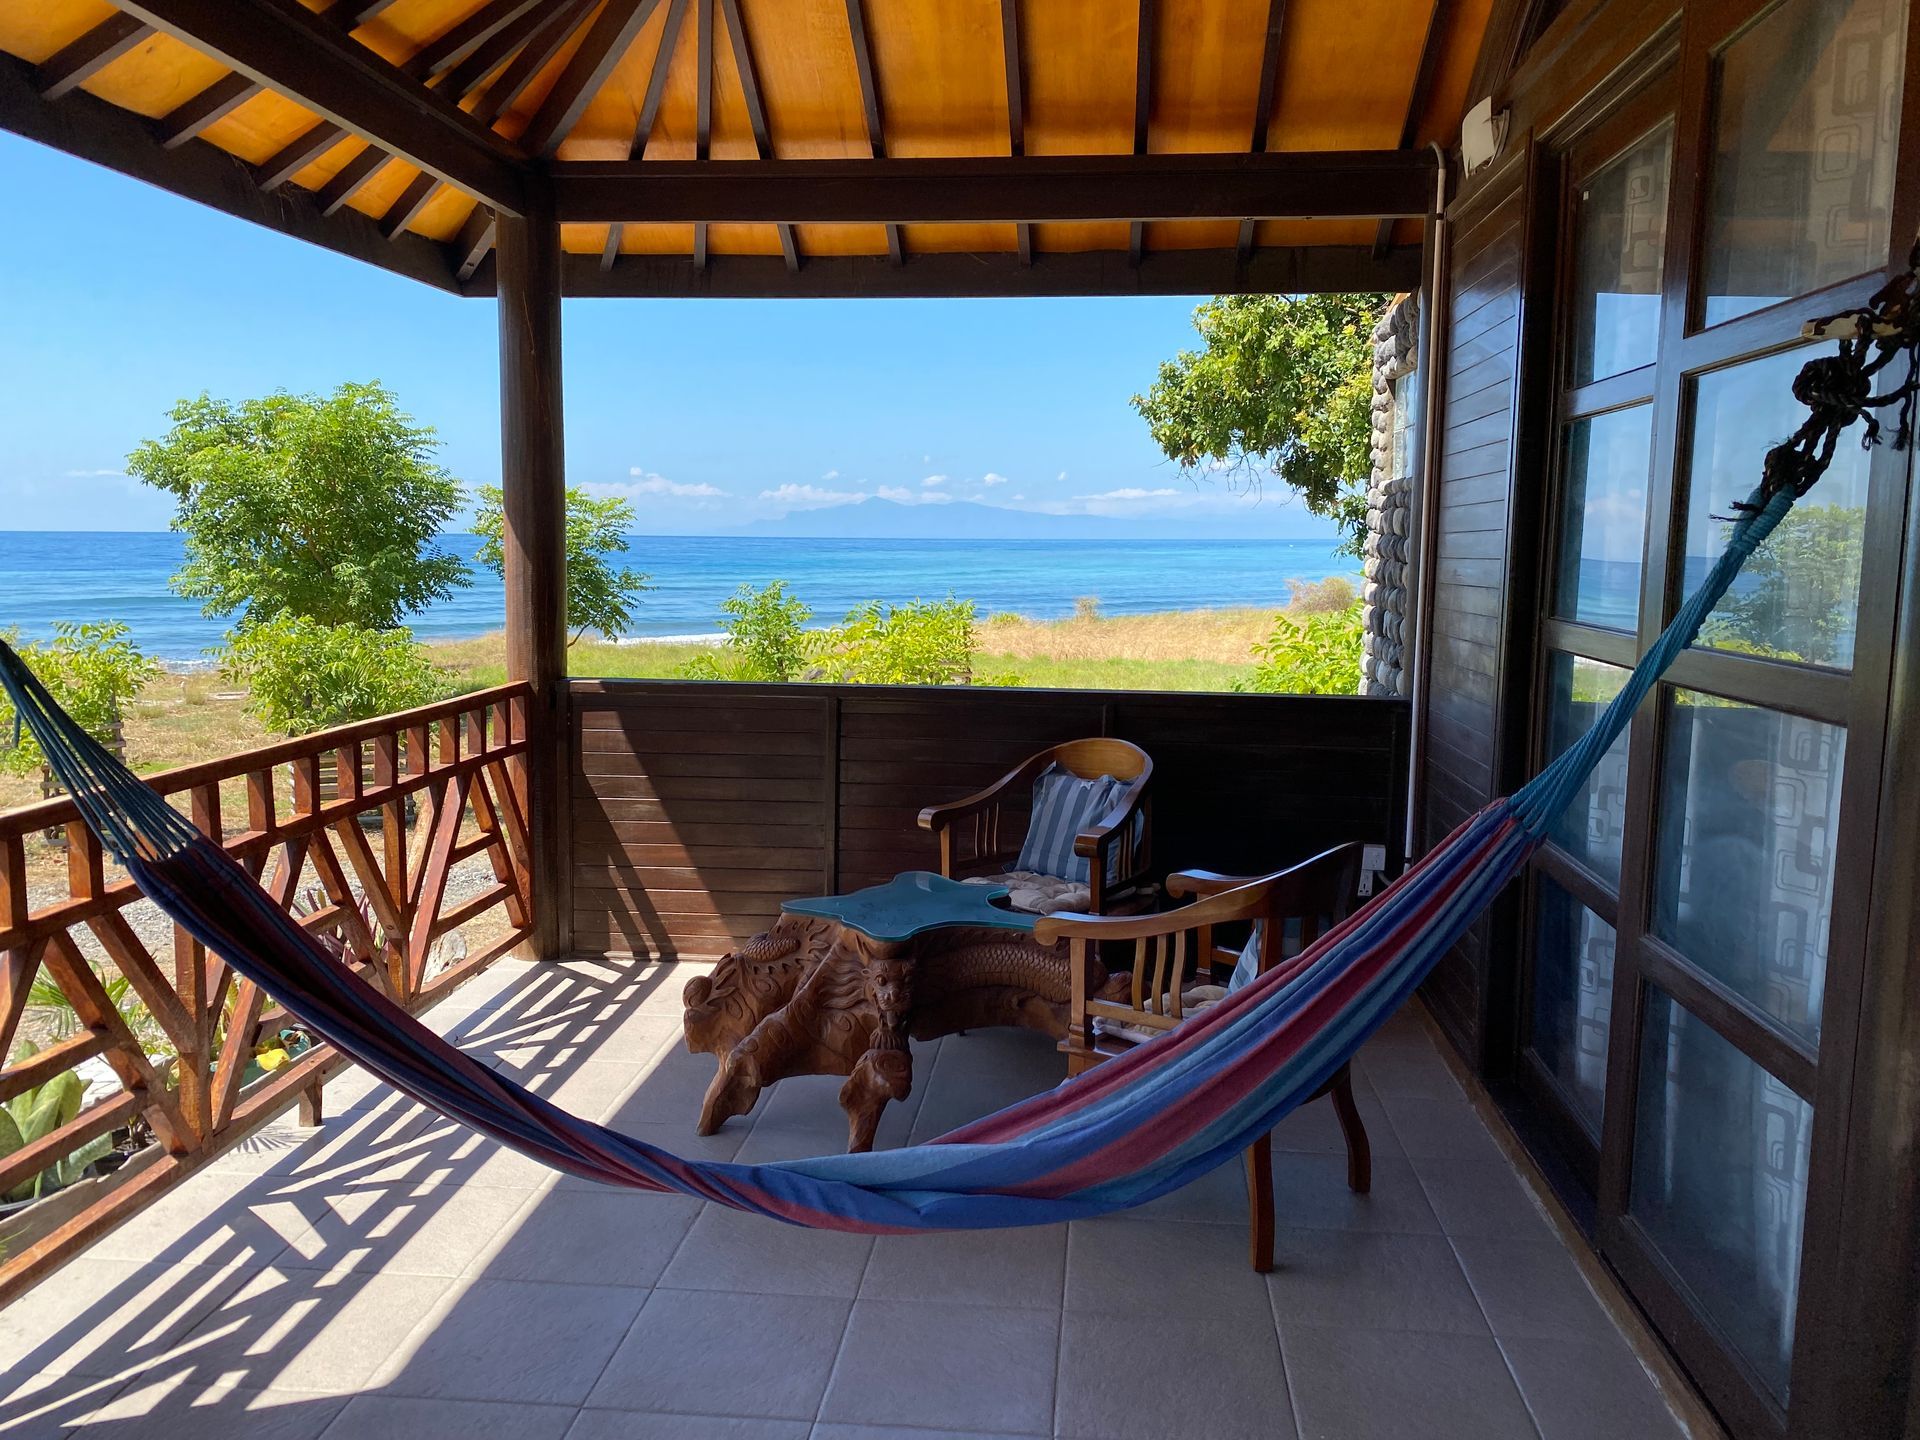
x: 47, y: 576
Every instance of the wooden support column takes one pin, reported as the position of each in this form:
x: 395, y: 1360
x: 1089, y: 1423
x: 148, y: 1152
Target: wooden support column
x: 533, y: 477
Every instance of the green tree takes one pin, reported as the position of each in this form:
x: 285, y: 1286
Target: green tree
x: 766, y: 637
x: 323, y: 506
x: 1319, y: 655
x: 1284, y: 386
x: 1798, y: 592
x: 305, y: 675
x: 93, y: 670
x: 599, y: 596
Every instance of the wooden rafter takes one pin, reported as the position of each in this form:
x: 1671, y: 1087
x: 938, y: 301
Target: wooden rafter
x: 649, y: 108
x: 756, y: 111
x: 470, y: 246
x: 288, y: 48
x: 1142, y: 108
x: 935, y: 190
x: 1016, y: 107
x: 870, y: 104
x: 702, y: 110
x: 1430, y: 49
x: 586, y: 71
x: 91, y: 53
x: 1263, y: 100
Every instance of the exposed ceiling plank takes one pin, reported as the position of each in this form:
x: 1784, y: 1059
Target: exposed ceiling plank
x: 82, y: 59
x: 1283, y: 185
x: 650, y: 106
x: 702, y: 110
x: 106, y: 135
x: 1016, y: 108
x: 870, y: 103
x: 1274, y: 270
x: 586, y: 71
x: 1142, y: 108
x: 756, y: 111
x: 1438, y: 25
x: 1263, y: 99
x: 296, y: 53
x: 458, y: 41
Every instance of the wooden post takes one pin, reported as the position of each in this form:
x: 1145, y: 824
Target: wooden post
x: 533, y: 477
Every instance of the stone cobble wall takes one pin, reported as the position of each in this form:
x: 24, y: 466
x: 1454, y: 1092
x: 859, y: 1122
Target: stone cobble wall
x: 1389, y: 544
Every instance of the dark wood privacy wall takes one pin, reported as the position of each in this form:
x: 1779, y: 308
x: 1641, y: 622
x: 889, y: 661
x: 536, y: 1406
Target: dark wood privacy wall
x: 699, y: 807
x: 1471, y: 604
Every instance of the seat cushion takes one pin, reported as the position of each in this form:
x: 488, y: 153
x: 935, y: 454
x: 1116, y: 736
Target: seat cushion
x: 1193, y: 1000
x: 1063, y: 806
x: 1038, y: 894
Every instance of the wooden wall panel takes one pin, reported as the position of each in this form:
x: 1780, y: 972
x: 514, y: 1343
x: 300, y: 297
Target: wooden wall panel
x: 1474, y: 494
x: 698, y: 807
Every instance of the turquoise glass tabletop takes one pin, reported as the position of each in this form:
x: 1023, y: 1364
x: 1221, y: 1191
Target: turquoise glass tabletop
x: 913, y: 903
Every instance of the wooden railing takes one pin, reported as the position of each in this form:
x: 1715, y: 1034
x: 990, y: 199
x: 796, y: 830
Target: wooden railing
x: 357, y: 830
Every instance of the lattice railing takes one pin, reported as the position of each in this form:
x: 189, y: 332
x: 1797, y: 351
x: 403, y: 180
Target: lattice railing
x: 383, y: 836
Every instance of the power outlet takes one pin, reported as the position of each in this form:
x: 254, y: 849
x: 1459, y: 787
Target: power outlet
x: 1373, y: 857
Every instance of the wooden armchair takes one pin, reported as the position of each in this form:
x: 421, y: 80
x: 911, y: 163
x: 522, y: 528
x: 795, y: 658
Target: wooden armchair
x: 975, y: 840
x: 1294, y: 906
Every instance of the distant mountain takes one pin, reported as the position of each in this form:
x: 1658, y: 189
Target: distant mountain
x: 876, y: 519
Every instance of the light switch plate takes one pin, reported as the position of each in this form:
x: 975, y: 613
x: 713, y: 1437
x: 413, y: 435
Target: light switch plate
x: 1373, y: 857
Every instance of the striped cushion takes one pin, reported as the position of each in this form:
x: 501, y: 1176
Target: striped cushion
x: 1063, y: 806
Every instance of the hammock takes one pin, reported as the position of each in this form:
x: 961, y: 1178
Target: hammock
x: 1117, y: 1136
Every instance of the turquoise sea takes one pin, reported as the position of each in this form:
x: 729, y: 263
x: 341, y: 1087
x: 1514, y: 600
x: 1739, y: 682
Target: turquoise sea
x: 46, y: 576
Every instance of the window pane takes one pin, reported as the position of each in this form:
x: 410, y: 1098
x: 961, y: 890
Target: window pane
x: 1796, y: 598
x: 1743, y: 872
x: 1590, y: 827
x: 1806, y: 119
x: 1572, y: 998
x: 1720, y: 1180
x: 1603, y: 515
x: 1620, y: 221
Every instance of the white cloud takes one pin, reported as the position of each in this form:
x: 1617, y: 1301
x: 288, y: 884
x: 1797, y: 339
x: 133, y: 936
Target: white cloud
x: 831, y: 475
x: 901, y: 495
x: 647, y: 483
x: 933, y: 480
x: 810, y: 497
x: 926, y: 459
x: 1061, y: 476
x: 1130, y: 492
x: 96, y: 474
x: 992, y: 479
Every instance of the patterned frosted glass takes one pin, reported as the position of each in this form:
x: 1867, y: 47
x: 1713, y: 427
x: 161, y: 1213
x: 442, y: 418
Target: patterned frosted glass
x: 1620, y: 221
x: 1572, y: 998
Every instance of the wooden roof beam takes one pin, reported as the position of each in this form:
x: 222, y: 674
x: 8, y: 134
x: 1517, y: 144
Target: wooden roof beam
x: 1263, y: 100
x: 79, y: 61
x: 586, y: 71
x: 1438, y: 24
x: 1016, y: 108
x: 1142, y: 109
x: 295, y: 53
x: 756, y: 112
x: 870, y: 104
x: 702, y: 110
x: 649, y: 109
x: 1288, y: 185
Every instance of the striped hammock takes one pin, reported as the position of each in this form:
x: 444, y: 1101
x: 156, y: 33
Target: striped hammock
x: 1117, y: 1136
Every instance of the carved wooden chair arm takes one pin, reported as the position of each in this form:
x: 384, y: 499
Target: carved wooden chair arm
x: 1221, y: 909
x: 1091, y: 842
x: 1202, y: 883
x: 939, y: 817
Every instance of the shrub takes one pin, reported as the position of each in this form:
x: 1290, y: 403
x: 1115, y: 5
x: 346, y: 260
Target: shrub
x: 1319, y: 655
x: 305, y: 675
x: 92, y: 670
x: 599, y: 596
x: 766, y: 637
x: 1313, y: 597
x: 924, y: 642
x: 1086, y: 607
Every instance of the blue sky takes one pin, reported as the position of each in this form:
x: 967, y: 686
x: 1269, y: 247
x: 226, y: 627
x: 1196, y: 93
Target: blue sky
x: 119, y: 299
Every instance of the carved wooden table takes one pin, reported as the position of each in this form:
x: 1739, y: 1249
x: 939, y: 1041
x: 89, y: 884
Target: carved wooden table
x: 840, y: 983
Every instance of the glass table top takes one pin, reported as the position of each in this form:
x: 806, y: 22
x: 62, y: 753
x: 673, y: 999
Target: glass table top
x: 913, y: 903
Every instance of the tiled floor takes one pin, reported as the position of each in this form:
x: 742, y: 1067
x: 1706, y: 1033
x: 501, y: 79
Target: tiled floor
x: 392, y: 1275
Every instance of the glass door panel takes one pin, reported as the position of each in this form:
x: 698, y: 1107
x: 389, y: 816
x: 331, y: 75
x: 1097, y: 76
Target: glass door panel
x: 1805, y: 130
x: 1620, y: 217
x: 1603, y: 518
x: 1572, y: 1000
x: 1749, y: 809
x: 1720, y: 1181
x: 1798, y: 597
x: 1590, y: 828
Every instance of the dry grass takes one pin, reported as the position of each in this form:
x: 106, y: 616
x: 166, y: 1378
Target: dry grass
x: 1224, y: 637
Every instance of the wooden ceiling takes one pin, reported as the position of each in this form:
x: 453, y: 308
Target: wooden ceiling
x: 783, y: 146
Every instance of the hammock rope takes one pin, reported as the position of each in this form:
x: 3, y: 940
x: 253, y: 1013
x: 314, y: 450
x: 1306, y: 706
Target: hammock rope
x: 1117, y: 1136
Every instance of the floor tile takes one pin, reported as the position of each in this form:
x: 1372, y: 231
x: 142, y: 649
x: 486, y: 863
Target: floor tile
x: 1531, y: 1289
x: 1408, y: 1069
x: 1590, y: 1389
x: 192, y: 1408
x: 965, y: 1367
x: 405, y: 1229
x: 307, y: 1331
x: 1445, y: 1129
x: 592, y: 1237
x: 1370, y: 1279
x: 1311, y: 1190
x: 1315, y: 1127
x: 1129, y: 1377
x: 635, y: 1425
x: 831, y: 1431
x: 97, y: 1316
x: 514, y: 1340
x: 1159, y: 1268
x: 406, y: 1417
x: 382, y: 1138
x: 750, y: 1254
x: 1381, y: 1385
x: 750, y: 1355
x: 214, y: 1218
x: 670, y: 1089
x: 1022, y: 1267
x: 1481, y: 1198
